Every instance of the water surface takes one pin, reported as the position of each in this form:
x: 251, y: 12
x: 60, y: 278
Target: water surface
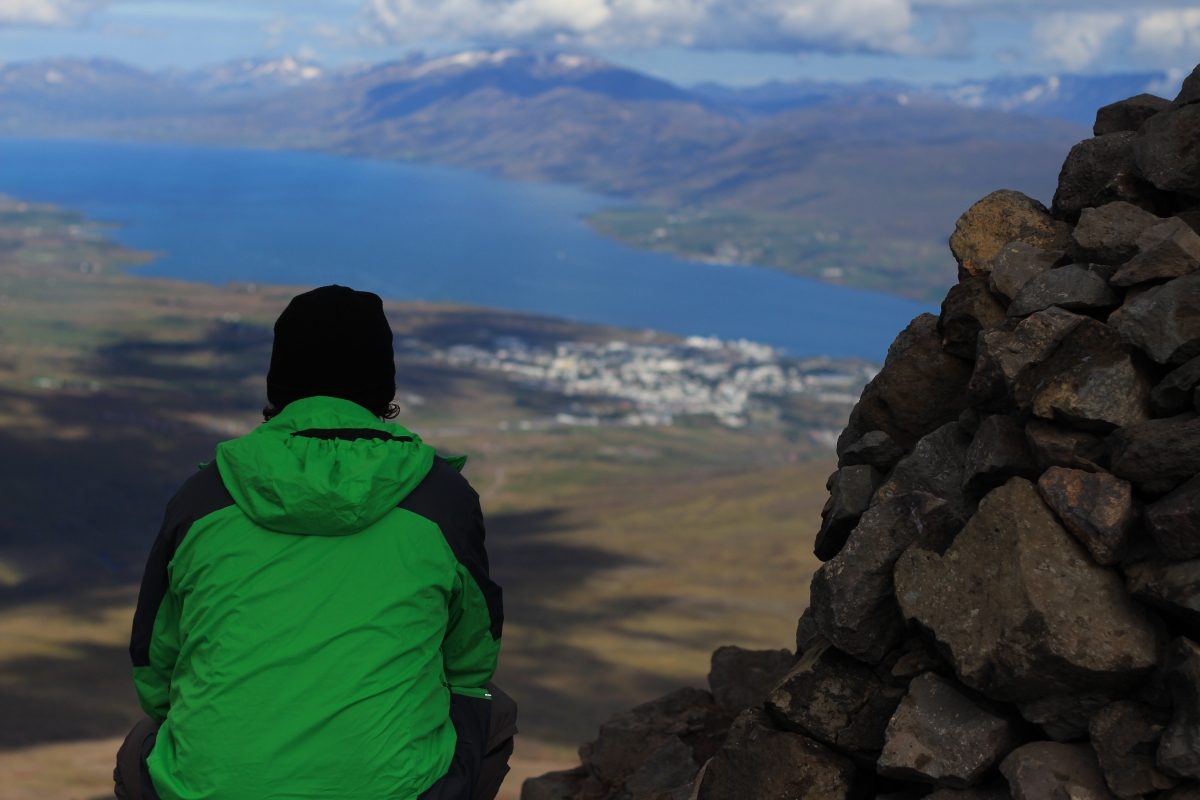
x: 428, y: 233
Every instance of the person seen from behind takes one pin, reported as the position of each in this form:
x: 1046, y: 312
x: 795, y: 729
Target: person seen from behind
x: 316, y: 618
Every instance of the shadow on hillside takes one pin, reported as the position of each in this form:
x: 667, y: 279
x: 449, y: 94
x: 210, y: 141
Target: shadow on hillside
x: 84, y: 486
x: 562, y: 689
x: 85, y: 475
x: 87, y: 695
x: 226, y: 352
x: 84, y: 481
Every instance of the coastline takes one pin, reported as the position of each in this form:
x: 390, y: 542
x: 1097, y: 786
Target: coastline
x: 117, y: 384
x: 745, y: 237
x: 425, y: 233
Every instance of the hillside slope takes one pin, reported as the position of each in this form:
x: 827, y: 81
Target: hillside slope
x: 789, y: 187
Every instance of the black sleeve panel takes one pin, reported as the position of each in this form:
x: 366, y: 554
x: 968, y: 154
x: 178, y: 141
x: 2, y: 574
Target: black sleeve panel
x: 445, y: 498
x: 200, y: 495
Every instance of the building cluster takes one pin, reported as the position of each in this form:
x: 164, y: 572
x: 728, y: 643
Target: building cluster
x: 618, y: 382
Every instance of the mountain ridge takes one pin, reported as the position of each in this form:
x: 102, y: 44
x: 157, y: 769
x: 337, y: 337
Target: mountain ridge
x: 1069, y: 96
x: 791, y: 184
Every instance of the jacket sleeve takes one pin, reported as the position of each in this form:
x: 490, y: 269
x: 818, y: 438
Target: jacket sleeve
x: 472, y: 642
x: 471, y: 646
x: 155, y: 640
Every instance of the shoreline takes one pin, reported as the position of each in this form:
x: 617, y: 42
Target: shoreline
x: 593, y: 220
x: 547, y: 260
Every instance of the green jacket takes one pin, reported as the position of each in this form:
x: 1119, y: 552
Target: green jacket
x: 313, y: 600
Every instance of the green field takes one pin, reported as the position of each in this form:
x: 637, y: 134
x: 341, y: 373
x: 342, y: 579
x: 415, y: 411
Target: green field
x: 915, y: 267
x: 627, y: 555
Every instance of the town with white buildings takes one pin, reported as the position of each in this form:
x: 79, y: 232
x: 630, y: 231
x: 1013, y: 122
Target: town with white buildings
x: 736, y: 382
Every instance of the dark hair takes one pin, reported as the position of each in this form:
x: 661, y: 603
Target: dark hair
x: 391, y: 411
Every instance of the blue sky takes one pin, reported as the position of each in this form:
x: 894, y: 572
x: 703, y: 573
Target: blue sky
x: 686, y: 41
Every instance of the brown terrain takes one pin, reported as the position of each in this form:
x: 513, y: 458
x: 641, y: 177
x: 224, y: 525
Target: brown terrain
x: 626, y: 554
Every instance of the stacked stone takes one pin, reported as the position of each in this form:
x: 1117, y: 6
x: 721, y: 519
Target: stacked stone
x: 1009, y: 604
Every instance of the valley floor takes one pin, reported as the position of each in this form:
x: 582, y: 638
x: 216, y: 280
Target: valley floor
x: 627, y: 553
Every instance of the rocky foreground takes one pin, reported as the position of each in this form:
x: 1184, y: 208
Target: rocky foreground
x: 1009, y: 605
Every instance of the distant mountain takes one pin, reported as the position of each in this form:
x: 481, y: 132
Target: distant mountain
x: 68, y: 89
x: 775, y: 97
x: 400, y: 90
x: 1070, y: 97
x: 819, y: 178
x: 1073, y: 98
x: 252, y: 76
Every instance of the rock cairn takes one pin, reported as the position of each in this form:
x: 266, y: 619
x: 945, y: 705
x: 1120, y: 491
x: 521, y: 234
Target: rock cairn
x: 1009, y: 604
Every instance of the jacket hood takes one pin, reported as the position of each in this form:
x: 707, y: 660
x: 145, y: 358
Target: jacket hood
x: 323, y: 466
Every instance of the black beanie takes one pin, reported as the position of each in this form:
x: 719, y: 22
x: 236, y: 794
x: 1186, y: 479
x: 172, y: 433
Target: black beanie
x: 333, y: 341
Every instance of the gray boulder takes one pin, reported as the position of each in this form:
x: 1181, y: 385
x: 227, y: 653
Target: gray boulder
x: 1097, y: 508
x: 1164, y: 321
x: 1012, y: 632
x: 974, y: 793
x: 1057, y: 446
x: 1171, y: 586
x: 969, y: 307
x: 1174, y: 521
x: 570, y: 784
x: 741, y: 678
x: 1054, y: 771
x: 629, y: 740
x: 808, y: 632
x: 1016, y: 263
x: 852, y: 594
x: 935, y: 466
x: 998, y: 451
x: 1179, y: 750
x: 1173, y: 394
x: 666, y: 773
x: 1073, y: 287
x: 1189, y: 792
x: 1170, y: 249
x: 1002, y: 217
x: 941, y: 735
x: 1157, y: 455
x: 850, y: 492
x: 1128, y: 115
x: 1005, y: 353
x: 1064, y: 718
x: 1090, y: 380
x: 1189, y: 92
x: 874, y: 448
x: 1165, y: 148
x: 761, y: 762
x: 834, y: 699
x: 1125, y: 736
x: 1109, y: 234
x: 919, y: 388
x: 1097, y: 171
x: 913, y: 658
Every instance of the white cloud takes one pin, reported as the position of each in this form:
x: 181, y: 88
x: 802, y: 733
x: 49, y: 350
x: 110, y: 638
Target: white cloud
x: 47, y: 13
x: 882, y: 26
x: 1073, y: 34
x: 1024, y: 7
x: 277, y: 30
x: 1168, y: 38
x: 1076, y: 40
